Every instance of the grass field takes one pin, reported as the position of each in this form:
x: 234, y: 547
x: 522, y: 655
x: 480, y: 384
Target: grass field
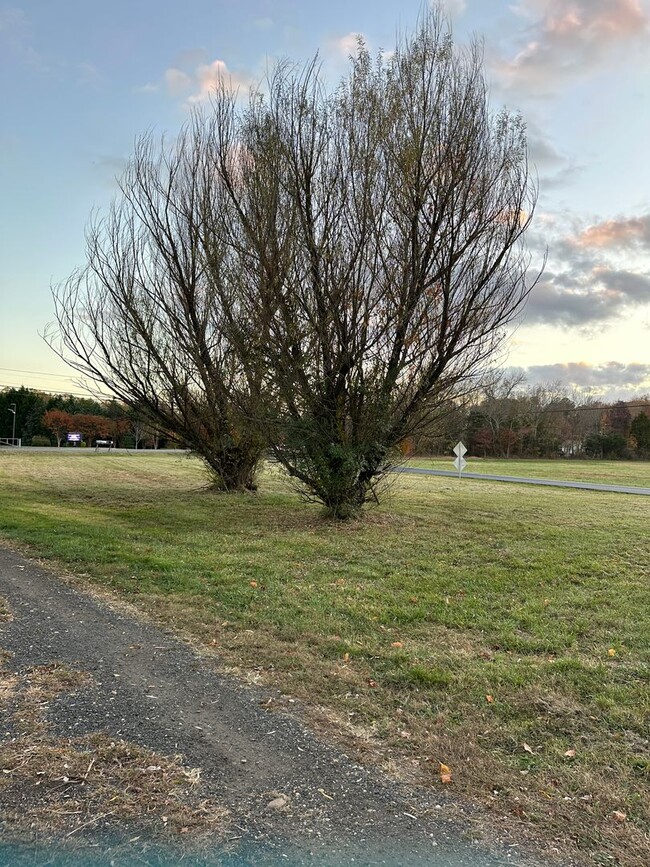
x: 635, y: 473
x: 502, y: 630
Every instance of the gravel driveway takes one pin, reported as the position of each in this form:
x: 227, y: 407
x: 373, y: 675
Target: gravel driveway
x: 291, y: 798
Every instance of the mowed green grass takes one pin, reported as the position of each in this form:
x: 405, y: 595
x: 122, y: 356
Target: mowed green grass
x: 635, y: 473
x: 503, y: 630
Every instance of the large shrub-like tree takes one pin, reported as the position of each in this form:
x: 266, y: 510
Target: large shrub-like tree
x: 373, y: 239
x: 142, y: 317
x: 318, y: 270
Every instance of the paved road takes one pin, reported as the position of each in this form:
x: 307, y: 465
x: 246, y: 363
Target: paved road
x: 225, y: 728
x: 520, y: 480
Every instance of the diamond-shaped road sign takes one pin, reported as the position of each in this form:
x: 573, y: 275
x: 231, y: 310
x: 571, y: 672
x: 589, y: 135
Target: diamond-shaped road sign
x: 459, y: 462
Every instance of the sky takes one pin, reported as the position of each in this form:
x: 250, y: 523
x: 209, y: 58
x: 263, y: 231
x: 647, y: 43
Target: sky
x: 80, y: 80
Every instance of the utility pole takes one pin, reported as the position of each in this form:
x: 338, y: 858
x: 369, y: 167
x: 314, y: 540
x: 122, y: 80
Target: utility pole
x: 13, y: 430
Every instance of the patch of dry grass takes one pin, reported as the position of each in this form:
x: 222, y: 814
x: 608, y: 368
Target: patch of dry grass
x: 62, y: 789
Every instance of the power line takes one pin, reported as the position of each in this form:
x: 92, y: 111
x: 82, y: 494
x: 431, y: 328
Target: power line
x: 57, y: 391
x: 35, y: 372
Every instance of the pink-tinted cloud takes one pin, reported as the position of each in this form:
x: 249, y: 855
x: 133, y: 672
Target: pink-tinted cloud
x: 610, y: 234
x: 199, y: 84
x: 568, y: 38
x: 211, y: 76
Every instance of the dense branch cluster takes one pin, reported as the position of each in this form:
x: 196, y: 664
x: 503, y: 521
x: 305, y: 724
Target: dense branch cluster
x: 314, y: 272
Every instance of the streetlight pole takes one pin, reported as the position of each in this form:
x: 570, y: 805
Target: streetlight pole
x: 12, y: 408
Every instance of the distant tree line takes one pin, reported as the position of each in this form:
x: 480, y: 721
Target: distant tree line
x: 508, y: 419
x: 46, y: 419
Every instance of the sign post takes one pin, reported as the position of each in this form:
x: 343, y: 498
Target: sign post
x: 74, y: 437
x: 459, y: 462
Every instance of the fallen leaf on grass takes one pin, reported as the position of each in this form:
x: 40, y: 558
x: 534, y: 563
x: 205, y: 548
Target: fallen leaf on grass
x: 489, y: 699
x: 445, y: 773
x: 528, y: 748
x: 570, y: 754
x: 397, y: 644
x: 371, y: 682
x: 618, y: 816
x: 611, y: 652
x: 253, y: 583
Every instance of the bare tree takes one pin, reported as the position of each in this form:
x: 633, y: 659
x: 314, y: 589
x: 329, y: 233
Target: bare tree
x: 501, y: 408
x: 143, y: 320
x: 375, y: 237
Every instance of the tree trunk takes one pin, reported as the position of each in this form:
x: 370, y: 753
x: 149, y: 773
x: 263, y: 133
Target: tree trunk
x: 233, y: 468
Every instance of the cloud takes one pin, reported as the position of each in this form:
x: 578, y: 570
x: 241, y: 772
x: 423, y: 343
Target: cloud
x: 571, y: 38
x: 596, y: 272
x: 348, y: 45
x: 453, y: 8
x: 624, y: 232
x: 557, y: 301
x: 198, y: 85
x: 146, y: 88
x: 556, y: 169
x: 16, y: 40
x: 627, y: 286
x: 580, y: 374
x: 13, y: 21
x: 213, y: 75
x: 178, y: 83
x: 585, y: 298
x: 542, y: 152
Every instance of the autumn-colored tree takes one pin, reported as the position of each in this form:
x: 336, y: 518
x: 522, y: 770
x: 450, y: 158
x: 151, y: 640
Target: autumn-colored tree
x: 92, y: 426
x: 59, y: 422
